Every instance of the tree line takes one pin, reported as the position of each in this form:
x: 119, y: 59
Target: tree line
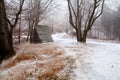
x: 110, y: 23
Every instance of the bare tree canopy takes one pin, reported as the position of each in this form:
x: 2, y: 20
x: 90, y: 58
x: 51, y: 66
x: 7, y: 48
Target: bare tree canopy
x: 13, y: 17
x: 82, y: 15
x: 36, y: 11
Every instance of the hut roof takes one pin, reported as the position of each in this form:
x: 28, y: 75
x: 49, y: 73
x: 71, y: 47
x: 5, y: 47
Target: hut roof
x: 43, y: 33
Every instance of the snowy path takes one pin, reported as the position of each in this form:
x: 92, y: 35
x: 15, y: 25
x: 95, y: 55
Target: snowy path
x: 94, y: 60
x: 106, y: 62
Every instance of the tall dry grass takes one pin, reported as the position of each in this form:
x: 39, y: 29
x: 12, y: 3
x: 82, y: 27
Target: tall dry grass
x: 34, y: 62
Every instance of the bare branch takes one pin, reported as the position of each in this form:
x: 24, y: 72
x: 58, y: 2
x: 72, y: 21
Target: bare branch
x: 101, y: 11
x: 17, y: 15
x: 70, y: 15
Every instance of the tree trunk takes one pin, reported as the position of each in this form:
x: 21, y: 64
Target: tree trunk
x: 84, y: 36
x: 77, y: 36
x: 11, y: 37
x: 6, y: 49
x: 19, y: 36
x: 80, y: 37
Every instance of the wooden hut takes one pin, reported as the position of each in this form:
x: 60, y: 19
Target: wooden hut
x: 41, y: 34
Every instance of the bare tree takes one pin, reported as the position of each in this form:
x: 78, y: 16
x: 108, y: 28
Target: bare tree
x: 110, y: 21
x: 6, y: 49
x: 37, y: 12
x: 107, y: 22
x: 116, y: 24
x: 12, y: 21
x: 82, y: 15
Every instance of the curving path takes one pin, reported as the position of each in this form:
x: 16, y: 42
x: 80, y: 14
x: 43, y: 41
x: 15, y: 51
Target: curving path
x: 95, y: 60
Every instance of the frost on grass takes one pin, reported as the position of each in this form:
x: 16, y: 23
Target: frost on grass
x: 36, y: 62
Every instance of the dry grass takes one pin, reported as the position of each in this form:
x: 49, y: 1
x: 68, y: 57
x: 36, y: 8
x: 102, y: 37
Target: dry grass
x: 35, y: 62
x: 17, y: 59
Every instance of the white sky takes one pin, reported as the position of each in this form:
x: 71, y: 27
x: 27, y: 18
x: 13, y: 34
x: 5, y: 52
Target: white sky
x: 112, y: 4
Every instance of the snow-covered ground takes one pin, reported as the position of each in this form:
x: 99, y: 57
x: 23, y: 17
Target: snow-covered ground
x: 95, y: 60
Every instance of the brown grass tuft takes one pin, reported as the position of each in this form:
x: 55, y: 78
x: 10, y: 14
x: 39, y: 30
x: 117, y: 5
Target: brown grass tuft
x: 18, y: 58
